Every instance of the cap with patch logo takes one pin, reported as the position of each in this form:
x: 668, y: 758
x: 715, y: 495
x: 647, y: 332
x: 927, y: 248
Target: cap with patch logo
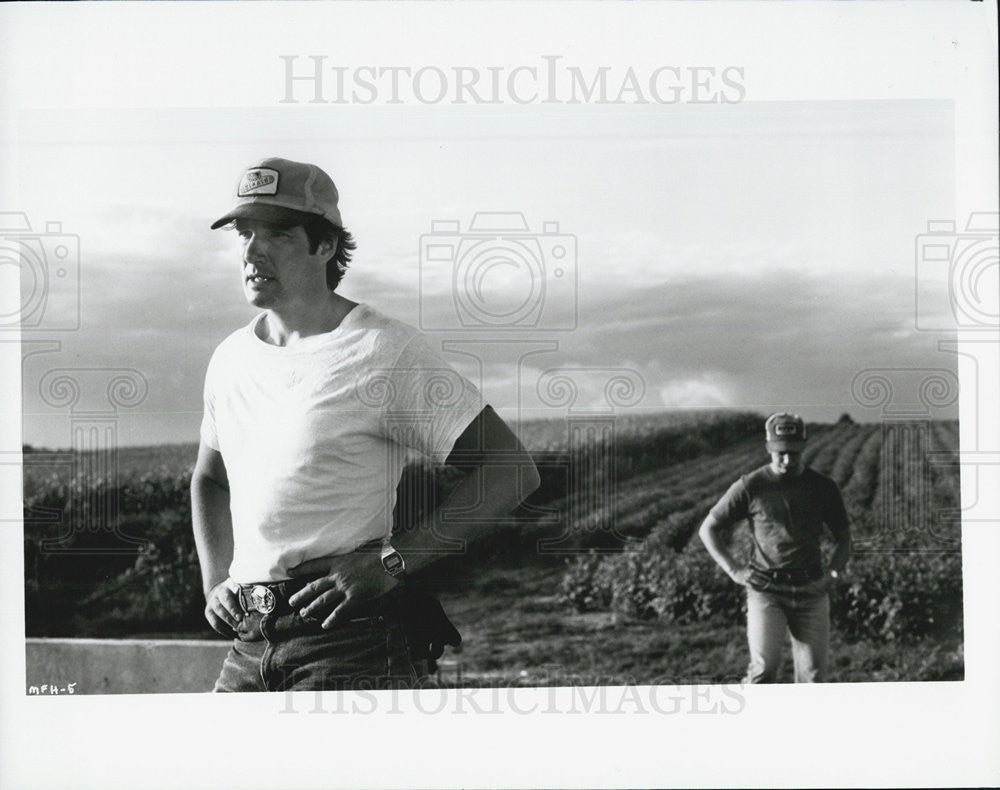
x: 785, y: 432
x: 269, y: 189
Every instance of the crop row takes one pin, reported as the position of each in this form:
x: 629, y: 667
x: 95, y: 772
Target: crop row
x: 888, y: 597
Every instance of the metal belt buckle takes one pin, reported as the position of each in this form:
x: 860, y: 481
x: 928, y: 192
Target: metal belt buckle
x: 262, y: 599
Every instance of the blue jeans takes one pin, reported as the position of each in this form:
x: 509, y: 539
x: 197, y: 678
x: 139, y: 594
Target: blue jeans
x: 805, y: 616
x: 286, y: 652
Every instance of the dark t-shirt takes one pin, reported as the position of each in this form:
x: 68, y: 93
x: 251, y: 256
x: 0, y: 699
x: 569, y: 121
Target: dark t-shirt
x: 786, y: 516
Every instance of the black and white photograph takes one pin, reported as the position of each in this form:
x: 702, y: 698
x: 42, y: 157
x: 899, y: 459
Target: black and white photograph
x: 403, y: 383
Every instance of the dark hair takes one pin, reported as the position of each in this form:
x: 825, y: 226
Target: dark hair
x: 317, y: 230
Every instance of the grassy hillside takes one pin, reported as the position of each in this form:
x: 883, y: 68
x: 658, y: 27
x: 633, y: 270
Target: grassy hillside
x: 597, y: 571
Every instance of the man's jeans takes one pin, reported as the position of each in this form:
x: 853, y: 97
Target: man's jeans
x: 285, y: 652
x: 802, y: 613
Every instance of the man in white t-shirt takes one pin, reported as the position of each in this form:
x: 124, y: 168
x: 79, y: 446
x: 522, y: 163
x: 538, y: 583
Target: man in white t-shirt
x: 311, y: 412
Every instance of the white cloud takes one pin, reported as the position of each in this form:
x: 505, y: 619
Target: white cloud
x: 709, y: 390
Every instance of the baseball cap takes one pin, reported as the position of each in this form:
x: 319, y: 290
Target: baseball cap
x: 785, y: 432
x: 271, y: 189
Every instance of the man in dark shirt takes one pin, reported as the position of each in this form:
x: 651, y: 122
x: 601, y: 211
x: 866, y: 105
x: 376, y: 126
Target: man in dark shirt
x: 787, y: 506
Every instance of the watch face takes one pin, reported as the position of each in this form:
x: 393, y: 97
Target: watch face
x: 393, y: 563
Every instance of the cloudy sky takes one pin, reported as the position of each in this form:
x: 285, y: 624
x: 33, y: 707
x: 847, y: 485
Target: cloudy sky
x: 755, y: 255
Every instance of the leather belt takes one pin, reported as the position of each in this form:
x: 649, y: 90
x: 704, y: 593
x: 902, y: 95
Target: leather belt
x: 787, y: 575
x: 268, y: 597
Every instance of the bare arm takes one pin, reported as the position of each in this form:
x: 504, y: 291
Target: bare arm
x: 213, y: 537
x: 500, y: 475
x: 841, y: 554
x: 710, y: 533
x: 837, y: 522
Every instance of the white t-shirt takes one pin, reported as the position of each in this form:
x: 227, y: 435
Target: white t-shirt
x: 315, y: 436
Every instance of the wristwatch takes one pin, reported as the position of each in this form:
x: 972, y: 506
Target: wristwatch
x: 393, y: 563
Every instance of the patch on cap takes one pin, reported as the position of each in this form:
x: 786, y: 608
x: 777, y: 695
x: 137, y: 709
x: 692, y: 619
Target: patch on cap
x: 259, y: 181
x: 785, y: 431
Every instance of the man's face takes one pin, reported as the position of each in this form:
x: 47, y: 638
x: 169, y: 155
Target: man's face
x: 786, y: 463
x: 279, y: 272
